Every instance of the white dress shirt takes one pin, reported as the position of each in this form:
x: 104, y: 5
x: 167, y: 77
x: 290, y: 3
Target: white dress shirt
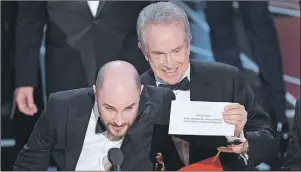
x: 93, y: 5
x: 93, y: 156
x: 181, y: 145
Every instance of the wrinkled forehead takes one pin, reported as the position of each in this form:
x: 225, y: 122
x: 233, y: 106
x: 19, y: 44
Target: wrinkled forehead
x: 119, y: 98
x: 169, y: 35
x: 162, y: 28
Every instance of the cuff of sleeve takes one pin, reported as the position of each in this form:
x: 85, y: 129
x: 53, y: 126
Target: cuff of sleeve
x: 241, y: 137
x: 245, y: 157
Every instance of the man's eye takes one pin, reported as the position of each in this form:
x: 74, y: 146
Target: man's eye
x: 177, y: 50
x: 129, y: 108
x: 158, y: 53
x: 110, y: 109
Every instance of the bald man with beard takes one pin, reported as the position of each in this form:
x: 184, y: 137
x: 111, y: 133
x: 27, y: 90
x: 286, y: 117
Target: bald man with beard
x: 78, y: 127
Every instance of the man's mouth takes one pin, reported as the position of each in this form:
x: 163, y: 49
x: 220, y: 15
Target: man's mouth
x: 116, y: 127
x: 170, y: 72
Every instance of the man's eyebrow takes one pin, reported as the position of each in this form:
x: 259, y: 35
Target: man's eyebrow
x: 130, y: 106
x: 109, y: 106
x: 179, y: 47
x: 157, y: 51
x: 161, y: 52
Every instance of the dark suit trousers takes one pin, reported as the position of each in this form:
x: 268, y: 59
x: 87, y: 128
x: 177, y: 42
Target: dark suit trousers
x: 262, y: 37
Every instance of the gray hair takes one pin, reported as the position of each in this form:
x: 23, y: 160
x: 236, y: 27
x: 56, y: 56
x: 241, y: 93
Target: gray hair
x: 103, y: 71
x: 162, y: 12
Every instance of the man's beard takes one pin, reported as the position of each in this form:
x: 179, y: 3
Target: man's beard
x: 117, y: 134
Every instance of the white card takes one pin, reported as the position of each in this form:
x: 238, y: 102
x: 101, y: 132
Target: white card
x: 199, y: 118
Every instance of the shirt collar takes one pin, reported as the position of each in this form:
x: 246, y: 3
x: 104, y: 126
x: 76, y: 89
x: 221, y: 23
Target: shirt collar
x: 95, y: 111
x: 186, y: 74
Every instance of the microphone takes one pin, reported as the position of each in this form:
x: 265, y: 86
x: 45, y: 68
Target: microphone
x: 115, y: 157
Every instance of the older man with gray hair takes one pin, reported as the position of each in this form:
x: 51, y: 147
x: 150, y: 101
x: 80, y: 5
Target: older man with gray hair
x: 164, y: 38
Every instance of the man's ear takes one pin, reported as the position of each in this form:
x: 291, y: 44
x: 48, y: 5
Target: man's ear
x: 188, y: 47
x: 142, y: 86
x: 140, y: 46
x: 94, y: 90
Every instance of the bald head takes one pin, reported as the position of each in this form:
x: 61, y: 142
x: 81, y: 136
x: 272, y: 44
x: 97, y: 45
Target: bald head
x: 118, y: 90
x: 116, y: 75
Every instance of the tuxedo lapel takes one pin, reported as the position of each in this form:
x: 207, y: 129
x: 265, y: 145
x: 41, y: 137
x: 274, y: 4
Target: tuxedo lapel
x: 135, y: 141
x: 87, y: 9
x: 148, y: 78
x: 77, y: 123
x: 81, y: 41
x: 127, y: 147
x: 200, y: 83
x: 142, y: 103
x: 100, y: 8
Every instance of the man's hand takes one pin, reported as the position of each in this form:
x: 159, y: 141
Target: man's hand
x: 236, y: 115
x: 25, y: 101
x: 238, y: 149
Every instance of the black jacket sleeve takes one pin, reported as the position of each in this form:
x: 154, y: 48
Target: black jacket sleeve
x: 31, y: 19
x: 35, y: 154
x: 259, y: 131
x: 293, y: 156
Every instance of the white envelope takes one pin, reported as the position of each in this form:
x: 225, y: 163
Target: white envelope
x: 199, y: 118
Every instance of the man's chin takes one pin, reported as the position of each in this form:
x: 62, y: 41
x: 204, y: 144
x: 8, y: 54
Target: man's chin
x: 117, y: 135
x: 171, y: 81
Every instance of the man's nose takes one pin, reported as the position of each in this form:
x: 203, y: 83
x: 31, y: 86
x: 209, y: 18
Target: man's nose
x: 118, y: 119
x: 168, y: 62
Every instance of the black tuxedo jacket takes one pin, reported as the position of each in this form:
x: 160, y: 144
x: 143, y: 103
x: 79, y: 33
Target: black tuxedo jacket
x: 60, y: 131
x: 218, y: 82
x: 8, y: 23
x: 77, y: 44
x: 293, y: 156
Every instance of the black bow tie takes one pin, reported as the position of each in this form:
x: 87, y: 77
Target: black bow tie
x: 184, y: 85
x: 100, y: 127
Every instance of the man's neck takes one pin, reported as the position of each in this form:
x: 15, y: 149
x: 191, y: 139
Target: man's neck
x: 113, y: 138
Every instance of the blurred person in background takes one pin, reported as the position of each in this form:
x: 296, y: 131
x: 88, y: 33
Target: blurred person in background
x: 293, y: 157
x: 262, y: 36
x: 14, y: 129
x: 200, y: 48
x: 8, y: 23
x: 80, y: 37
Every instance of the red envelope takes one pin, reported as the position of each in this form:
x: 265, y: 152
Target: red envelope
x: 209, y: 164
